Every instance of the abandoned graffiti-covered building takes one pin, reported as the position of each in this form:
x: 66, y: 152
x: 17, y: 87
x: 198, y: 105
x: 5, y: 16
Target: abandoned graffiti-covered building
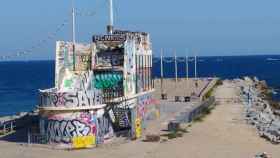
x: 101, y: 89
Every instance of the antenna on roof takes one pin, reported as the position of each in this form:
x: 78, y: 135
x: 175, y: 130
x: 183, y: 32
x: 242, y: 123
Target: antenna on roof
x: 73, y: 22
x: 73, y: 32
x: 110, y: 27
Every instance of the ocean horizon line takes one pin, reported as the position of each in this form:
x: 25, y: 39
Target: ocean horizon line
x: 206, y: 56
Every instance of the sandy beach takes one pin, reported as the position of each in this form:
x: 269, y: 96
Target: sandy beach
x: 223, y: 133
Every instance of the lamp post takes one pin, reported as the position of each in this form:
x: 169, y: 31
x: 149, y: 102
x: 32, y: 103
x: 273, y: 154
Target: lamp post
x: 195, y: 66
x: 161, y: 71
x: 187, y: 70
x: 176, y: 68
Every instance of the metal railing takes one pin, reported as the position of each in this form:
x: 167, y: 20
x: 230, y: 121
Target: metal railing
x: 7, y: 127
x: 36, y: 138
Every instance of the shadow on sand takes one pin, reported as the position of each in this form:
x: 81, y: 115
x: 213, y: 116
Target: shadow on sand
x: 22, y: 126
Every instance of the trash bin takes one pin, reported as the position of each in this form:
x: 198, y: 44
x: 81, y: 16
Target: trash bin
x: 164, y: 96
x: 187, y: 99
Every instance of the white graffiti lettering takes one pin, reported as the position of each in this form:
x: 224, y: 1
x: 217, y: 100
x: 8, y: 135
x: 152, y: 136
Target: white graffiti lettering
x: 73, y: 99
x: 64, y: 131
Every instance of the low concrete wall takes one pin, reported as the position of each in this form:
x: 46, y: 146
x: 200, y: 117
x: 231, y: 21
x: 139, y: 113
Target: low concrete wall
x: 190, y: 114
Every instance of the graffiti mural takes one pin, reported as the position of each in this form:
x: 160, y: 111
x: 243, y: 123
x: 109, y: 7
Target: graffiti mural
x: 77, y: 128
x: 142, y: 108
x: 143, y: 101
x: 66, y: 61
x: 85, y: 80
x: 108, y: 80
x: 70, y: 99
x: 130, y: 67
x: 81, y: 98
x: 119, y: 117
x: 82, y: 57
x: 105, y: 130
x: 63, y: 60
x: 76, y: 82
x: 65, y: 130
x: 110, y: 58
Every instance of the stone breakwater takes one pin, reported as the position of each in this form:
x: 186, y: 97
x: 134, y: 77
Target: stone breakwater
x: 260, y: 110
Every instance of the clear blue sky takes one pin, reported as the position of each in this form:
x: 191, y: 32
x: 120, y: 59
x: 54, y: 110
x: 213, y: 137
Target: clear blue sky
x: 209, y: 27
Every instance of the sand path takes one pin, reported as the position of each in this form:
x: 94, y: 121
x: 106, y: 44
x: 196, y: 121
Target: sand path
x: 222, y: 134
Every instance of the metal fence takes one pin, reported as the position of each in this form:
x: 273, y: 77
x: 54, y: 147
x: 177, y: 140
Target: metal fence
x: 34, y: 137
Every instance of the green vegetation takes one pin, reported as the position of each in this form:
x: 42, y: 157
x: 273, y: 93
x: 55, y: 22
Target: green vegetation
x: 210, y: 92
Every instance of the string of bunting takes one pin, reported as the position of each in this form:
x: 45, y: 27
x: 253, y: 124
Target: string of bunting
x: 50, y: 36
x: 166, y: 60
x: 183, y: 60
x: 40, y: 43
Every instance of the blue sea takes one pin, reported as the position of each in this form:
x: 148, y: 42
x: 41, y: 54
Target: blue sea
x: 20, y: 81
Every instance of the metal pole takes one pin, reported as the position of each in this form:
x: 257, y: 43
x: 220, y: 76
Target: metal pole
x: 195, y: 67
x: 11, y: 126
x: 187, y: 66
x: 4, y: 128
x: 73, y: 33
x: 175, y: 59
x: 111, y: 17
x: 28, y: 137
x: 73, y: 22
x: 187, y: 71
x: 161, y: 63
x: 161, y: 71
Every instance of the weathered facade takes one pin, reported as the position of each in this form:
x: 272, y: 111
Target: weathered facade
x: 101, y: 90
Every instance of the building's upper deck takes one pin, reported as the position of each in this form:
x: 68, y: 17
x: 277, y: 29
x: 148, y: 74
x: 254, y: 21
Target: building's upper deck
x: 111, y: 67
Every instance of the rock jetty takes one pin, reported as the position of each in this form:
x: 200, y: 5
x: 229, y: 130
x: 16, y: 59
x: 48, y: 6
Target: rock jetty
x: 261, y: 111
